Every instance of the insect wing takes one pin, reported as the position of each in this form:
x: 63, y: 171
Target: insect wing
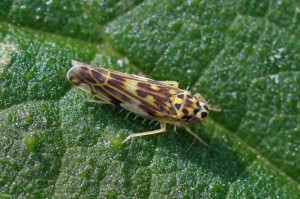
x: 137, y: 94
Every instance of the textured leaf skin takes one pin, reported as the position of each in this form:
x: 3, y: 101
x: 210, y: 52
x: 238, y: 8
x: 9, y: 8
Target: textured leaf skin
x: 55, y: 145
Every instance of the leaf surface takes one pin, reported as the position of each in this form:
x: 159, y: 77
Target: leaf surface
x: 243, y: 56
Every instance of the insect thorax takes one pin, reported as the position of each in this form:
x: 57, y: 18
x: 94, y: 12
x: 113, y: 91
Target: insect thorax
x: 186, y: 106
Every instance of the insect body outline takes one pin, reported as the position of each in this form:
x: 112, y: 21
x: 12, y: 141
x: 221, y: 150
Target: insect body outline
x: 162, y: 101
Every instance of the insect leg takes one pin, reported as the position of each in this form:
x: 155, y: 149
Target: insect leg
x: 214, y: 109
x: 171, y: 83
x: 188, y: 129
x: 96, y: 101
x: 162, y: 129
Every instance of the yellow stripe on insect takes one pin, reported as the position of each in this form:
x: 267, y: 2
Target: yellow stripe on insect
x: 161, y: 101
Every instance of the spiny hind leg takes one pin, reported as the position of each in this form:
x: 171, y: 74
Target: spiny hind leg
x: 100, y: 99
x: 162, y: 129
x: 171, y: 83
x: 188, y: 129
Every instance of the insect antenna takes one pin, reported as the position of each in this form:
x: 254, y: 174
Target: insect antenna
x: 215, y: 91
x: 191, y: 145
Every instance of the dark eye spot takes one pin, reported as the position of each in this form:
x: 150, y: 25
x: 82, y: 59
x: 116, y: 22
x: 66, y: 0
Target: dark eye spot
x: 206, y: 108
x: 203, y: 114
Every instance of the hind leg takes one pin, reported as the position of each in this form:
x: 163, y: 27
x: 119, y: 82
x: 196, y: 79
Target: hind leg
x: 162, y: 129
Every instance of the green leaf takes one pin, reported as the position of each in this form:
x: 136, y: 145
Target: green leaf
x: 241, y: 55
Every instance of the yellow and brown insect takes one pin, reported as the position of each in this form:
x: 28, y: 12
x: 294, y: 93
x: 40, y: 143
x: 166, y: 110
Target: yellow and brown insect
x: 162, y: 101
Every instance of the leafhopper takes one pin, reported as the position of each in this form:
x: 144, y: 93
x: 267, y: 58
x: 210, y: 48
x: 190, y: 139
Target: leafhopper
x: 160, y: 101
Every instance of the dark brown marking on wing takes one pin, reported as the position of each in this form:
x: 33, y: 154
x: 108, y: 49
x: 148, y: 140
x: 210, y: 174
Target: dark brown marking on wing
x: 112, y: 84
x: 112, y: 94
x: 98, y: 76
x: 153, y: 87
x: 160, y: 102
x: 78, y: 78
x: 147, y: 109
x: 119, y: 88
x: 158, y: 98
x: 136, y: 78
x: 84, y: 68
x: 141, y: 93
x: 101, y: 70
x: 116, y: 84
x: 115, y: 89
x: 163, y: 89
x: 145, y: 86
x: 86, y: 76
x: 100, y: 89
x: 117, y: 77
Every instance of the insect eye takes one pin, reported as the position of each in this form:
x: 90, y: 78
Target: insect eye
x: 204, y: 115
x: 206, y: 107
